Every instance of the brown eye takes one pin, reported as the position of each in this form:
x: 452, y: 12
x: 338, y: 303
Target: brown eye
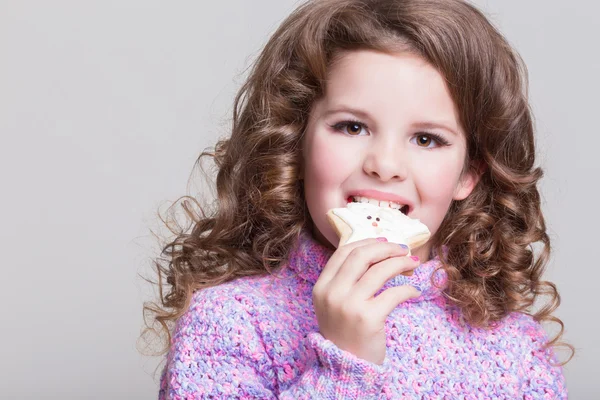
x: 353, y: 129
x: 428, y: 140
x: 377, y: 219
x: 369, y: 217
x: 424, y: 141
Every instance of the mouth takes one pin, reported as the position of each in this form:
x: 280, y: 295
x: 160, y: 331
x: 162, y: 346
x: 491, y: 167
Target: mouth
x: 403, y: 208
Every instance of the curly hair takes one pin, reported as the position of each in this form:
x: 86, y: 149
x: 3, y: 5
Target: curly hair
x: 260, y: 211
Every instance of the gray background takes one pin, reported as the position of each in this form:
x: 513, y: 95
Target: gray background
x: 105, y: 105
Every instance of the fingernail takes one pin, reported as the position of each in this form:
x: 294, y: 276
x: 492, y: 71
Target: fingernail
x: 404, y: 246
x: 415, y: 258
x: 381, y: 239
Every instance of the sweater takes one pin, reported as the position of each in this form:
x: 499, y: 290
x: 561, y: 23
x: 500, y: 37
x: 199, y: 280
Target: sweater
x: 258, y: 338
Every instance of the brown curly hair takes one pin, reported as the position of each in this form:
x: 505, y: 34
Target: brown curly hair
x: 260, y: 211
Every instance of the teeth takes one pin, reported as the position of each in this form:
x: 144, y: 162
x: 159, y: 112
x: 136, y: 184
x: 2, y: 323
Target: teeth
x: 382, y: 203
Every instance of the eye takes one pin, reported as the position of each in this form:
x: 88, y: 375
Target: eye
x: 426, y: 140
x: 351, y: 127
x: 369, y: 217
x: 377, y: 219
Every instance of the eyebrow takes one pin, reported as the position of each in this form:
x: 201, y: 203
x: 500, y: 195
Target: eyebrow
x: 366, y: 115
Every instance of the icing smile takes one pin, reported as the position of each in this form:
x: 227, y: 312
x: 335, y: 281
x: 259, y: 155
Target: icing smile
x: 381, y: 203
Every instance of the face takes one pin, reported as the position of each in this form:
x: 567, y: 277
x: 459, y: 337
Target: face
x: 385, y: 130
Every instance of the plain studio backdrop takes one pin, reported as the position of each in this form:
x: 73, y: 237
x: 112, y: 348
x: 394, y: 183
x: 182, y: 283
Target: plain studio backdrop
x: 104, y: 107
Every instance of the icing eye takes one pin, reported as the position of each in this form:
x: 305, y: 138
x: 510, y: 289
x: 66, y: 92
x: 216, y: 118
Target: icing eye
x: 377, y: 219
x: 369, y: 217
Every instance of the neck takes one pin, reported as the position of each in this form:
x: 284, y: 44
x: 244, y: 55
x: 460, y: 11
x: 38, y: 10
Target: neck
x: 423, y: 252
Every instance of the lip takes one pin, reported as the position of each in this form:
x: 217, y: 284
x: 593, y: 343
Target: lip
x: 377, y: 195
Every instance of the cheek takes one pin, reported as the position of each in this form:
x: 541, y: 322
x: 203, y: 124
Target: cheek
x: 328, y: 160
x: 438, y: 179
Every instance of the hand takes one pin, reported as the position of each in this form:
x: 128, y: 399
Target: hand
x: 347, y: 312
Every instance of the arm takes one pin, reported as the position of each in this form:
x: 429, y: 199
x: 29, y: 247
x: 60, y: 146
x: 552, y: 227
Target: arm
x: 541, y: 377
x: 216, y: 352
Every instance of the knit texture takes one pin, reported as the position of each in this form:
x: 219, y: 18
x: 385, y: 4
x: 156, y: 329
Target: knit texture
x: 258, y: 337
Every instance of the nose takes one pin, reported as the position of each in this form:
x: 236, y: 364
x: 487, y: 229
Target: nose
x: 386, y: 160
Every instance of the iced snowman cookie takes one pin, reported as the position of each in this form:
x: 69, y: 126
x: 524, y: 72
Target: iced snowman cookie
x: 359, y: 221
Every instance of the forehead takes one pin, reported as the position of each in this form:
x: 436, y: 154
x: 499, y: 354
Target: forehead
x: 391, y: 88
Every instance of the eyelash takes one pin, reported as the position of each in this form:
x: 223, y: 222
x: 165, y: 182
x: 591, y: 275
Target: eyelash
x: 344, y: 124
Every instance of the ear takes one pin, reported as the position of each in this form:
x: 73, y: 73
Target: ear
x: 468, y: 181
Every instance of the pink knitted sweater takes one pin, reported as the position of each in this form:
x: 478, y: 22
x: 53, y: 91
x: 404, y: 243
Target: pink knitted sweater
x: 258, y: 337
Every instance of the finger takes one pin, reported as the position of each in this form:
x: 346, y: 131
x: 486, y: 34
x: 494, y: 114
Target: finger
x: 390, y: 298
x: 361, y: 259
x: 338, y: 257
x: 376, y: 276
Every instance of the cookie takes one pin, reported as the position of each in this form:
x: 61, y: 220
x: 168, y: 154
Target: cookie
x: 359, y: 221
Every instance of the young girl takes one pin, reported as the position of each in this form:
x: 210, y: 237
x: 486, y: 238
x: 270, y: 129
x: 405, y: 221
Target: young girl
x: 418, y: 104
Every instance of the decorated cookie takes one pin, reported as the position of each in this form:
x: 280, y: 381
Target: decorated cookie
x: 359, y: 221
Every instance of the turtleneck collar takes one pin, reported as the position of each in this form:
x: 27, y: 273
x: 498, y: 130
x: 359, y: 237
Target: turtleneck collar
x: 308, y: 258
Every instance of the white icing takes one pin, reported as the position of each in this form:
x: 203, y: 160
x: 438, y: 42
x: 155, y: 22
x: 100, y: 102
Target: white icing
x: 393, y: 224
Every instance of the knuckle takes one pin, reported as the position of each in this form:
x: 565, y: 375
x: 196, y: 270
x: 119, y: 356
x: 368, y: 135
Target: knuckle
x: 317, y: 288
x: 358, y: 253
x: 354, y: 313
x: 346, y: 248
x: 316, y: 294
x: 332, y: 300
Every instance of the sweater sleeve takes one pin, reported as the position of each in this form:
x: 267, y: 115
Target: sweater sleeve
x: 541, y: 377
x: 217, y: 352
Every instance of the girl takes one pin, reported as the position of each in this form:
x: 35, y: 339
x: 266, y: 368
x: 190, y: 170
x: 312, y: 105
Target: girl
x: 416, y: 103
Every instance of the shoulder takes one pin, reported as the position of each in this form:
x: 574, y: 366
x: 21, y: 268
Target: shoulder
x: 516, y: 330
x: 245, y: 299
x: 524, y: 326
x: 229, y: 298
x: 526, y: 337
x: 518, y: 336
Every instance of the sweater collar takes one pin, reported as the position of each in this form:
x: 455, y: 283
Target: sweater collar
x: 308, y: 258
